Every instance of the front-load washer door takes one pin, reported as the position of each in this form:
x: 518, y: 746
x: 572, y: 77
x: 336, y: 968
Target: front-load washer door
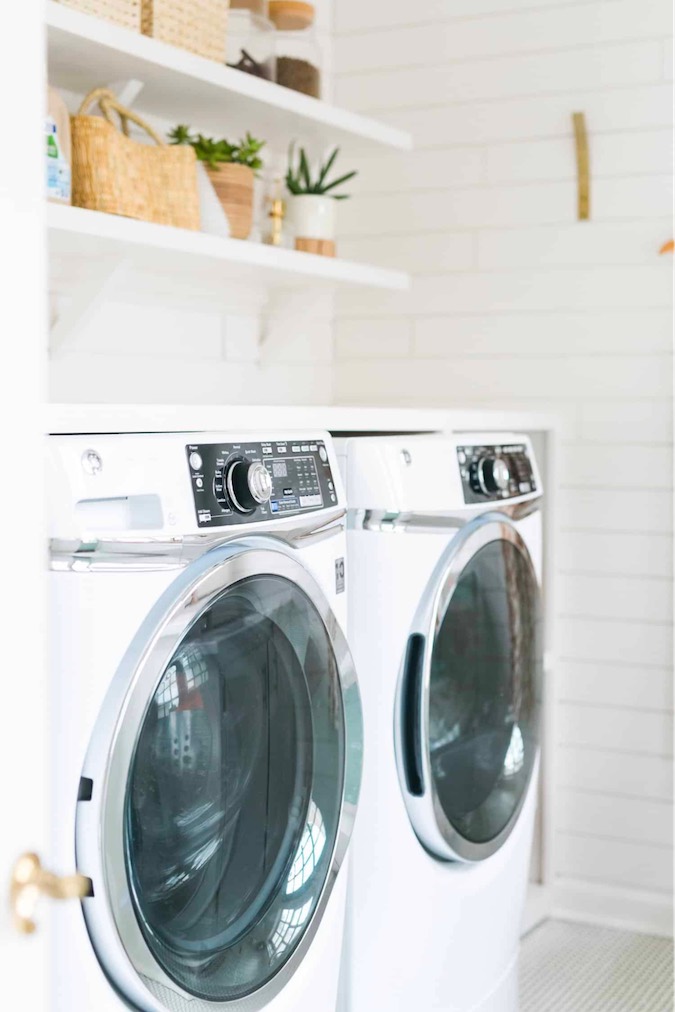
x: 469, y: 695
x: 225, y: 768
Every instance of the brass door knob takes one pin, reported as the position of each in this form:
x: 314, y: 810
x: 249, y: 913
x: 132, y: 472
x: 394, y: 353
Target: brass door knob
x: 30, y: 881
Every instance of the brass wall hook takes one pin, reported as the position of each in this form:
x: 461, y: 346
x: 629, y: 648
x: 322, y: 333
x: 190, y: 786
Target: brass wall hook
x: 583, y: 167
x: 30, y: 881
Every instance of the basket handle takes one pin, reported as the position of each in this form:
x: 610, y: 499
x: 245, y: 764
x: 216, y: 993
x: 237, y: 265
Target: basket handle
x: 107, y: 101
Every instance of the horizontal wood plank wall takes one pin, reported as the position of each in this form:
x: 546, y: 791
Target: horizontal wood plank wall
x: 516, y: 304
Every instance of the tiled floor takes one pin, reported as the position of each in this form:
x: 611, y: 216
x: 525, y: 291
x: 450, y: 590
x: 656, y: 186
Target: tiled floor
x: 567, y: 967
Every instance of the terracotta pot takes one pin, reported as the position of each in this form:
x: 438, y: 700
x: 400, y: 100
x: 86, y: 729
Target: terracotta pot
x: 234, y: 188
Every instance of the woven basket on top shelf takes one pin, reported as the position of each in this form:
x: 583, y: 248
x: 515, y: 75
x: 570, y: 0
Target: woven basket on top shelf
x: 126, y: 13
x: 118, y: 175
x: 197, y: 25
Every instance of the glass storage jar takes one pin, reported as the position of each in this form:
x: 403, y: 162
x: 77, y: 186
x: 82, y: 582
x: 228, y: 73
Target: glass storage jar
x: 259, y: 7
x: 250, y: 43
x: 299, y: 62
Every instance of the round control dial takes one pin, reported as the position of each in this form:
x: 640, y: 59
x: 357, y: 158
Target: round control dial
x: 248, y: 485
x: 493, y: 474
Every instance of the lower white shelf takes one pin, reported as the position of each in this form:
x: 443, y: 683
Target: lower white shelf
x: 177, y: 260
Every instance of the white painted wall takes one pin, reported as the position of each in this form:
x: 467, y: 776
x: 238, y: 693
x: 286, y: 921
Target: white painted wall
x: 133, y: 352
x: 515, y: 304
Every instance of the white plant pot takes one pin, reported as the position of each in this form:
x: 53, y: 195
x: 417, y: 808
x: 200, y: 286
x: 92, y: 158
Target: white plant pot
x: 312, y: 216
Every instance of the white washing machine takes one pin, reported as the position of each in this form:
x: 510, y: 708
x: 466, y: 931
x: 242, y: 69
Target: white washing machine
x: 445, y: 552
x: 207, y: 721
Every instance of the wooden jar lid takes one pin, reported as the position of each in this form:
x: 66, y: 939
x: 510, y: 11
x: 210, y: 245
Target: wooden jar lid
x: 322, y: 247
x: 291, y: 15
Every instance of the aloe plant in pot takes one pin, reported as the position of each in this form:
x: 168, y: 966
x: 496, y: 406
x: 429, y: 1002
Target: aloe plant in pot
x: 312, y: 202
x: 231, y: 167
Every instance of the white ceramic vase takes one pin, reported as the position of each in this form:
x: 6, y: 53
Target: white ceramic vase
x: 313, y: 216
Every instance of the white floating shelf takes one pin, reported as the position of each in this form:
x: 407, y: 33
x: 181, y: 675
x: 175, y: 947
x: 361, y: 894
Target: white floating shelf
x: 178, y: 87
x: 193, y: 261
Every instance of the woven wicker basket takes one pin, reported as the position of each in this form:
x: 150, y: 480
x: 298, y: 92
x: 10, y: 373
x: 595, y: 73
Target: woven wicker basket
x: 115, y: 174
x: 197, y: 25
x: 126, y: 13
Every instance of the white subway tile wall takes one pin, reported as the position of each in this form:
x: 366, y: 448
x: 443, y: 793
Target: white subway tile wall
x: 131, y: 353
x: 516, y: 304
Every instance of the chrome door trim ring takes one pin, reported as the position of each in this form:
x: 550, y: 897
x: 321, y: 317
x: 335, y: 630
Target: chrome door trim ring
x: 420, y: 523
x: 154, y: 554
x: 110, y: 916
x: 426, y: 813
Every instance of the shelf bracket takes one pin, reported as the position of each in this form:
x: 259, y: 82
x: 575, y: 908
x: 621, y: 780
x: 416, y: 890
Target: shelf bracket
x: 127, y: 90
x: 284, y: 314
x: 274, y: 305
x: 85, y: 303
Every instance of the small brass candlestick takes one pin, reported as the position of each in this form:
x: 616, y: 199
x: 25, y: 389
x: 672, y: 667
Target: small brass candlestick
x: 277, y: 213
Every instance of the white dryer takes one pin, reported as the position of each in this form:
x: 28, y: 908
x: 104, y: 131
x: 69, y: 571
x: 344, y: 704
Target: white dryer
x: 444, y: 550
x: 207, y: 721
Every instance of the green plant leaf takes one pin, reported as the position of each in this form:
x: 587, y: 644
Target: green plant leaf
x: 213, y: 152
x: 328, y: 166
x: 180, y: 134
x: 304, y: 170
x: 338, y: 182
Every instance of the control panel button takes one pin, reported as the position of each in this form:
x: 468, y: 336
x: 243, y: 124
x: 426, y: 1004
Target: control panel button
x: 196, y: 461
x: 323, y: 453
x: 248, y: 485
x: 494, y: 474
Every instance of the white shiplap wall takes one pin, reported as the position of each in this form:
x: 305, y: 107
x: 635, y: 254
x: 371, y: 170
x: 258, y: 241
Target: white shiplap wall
x: 515, y: 304
x: 136, y: 352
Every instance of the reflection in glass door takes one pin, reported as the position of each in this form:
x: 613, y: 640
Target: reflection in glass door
x: 234, y: 793
x: 471, y: 695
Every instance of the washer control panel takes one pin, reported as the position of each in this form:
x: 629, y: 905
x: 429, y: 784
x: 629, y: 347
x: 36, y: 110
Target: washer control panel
x: 238, y: 483
x: 493, y: 473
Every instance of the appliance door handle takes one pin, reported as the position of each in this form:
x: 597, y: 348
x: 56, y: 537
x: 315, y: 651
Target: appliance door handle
x: 30, y: 881
x: 411, y: 714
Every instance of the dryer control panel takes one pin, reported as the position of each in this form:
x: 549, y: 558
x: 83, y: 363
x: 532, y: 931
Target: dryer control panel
x: 492, y: 473
x: 239, y: 483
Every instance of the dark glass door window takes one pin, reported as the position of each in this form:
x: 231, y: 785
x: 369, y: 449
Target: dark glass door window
x: 234, y: 793
x: 484, y: 692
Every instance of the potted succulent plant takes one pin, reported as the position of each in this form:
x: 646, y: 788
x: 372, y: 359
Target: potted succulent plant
x: 231, y: 167
x: 312, y: 202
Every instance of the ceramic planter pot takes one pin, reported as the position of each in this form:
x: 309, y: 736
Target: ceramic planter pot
x: 313, y: 221
x: 234, y: 188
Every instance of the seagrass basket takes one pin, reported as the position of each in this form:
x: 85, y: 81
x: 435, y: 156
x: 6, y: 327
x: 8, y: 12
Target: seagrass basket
x: 115, y: 174
x: 197, y: 25
x: 126, y: 13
